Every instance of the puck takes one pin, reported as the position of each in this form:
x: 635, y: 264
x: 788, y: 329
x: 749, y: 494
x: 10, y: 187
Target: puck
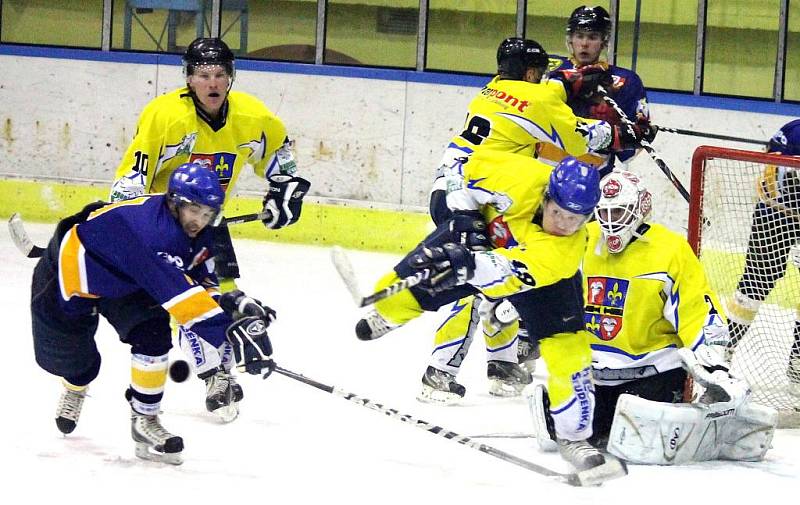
x: 179, y: 370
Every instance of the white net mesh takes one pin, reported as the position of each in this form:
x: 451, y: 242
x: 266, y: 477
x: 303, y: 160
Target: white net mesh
x: 745, y: 224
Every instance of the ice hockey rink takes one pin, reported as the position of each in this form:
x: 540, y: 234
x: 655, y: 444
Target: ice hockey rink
x: 296, y: 444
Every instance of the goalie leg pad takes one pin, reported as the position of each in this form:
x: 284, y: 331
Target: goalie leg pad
x: 655, y: 433
x: 748, y: 435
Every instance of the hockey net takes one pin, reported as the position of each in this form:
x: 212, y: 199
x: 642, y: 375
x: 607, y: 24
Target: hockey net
x: 727, y: 185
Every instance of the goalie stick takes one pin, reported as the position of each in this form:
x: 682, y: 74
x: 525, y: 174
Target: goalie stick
x: 592, y: 477
x: 16, y: 227
x: 345, y: 269
x: 645, y: 144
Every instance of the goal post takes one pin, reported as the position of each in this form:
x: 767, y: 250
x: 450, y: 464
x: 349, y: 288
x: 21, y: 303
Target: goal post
x: 729, y: 189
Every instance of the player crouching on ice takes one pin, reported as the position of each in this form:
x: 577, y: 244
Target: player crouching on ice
x: 652, y: 313
x: 137, y: 262
x: 535, y: 217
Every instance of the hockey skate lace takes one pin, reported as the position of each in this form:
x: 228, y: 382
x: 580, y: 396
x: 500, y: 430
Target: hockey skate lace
x: 150, y: 428
x: 578, y: 451
x: 218, y: 385
x: 70, y: 404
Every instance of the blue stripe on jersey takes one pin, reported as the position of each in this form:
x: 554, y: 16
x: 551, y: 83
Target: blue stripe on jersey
x: 531, y: 128
x: 634, y: 357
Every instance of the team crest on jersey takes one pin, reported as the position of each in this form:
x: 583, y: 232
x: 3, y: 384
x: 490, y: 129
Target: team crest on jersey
x: 500, y: 234
x: 605, y: 304
x: 187, y: 144
x: 221, y: 163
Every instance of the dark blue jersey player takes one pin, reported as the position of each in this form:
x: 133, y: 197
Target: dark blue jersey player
x: 137, y: 263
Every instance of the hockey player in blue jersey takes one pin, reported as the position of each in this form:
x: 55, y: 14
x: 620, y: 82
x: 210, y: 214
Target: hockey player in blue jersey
x: 137, y: 263
x: 588, y: 32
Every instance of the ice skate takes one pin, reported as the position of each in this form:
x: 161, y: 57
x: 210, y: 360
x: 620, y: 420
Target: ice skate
x: 238, y: 392
x: 69, y: 408
x: 527, y: 354
x: 153, y: 442
x: 221, y: 395
x: 593, y: 467
x: 580, y: 454
x: 373, y: 326
x: 507, y: 378
x: 440, y: 387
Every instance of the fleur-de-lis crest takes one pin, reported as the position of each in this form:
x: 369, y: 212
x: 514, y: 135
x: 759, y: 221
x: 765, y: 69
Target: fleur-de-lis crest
x: 593, y: 325
x: 615, y: 295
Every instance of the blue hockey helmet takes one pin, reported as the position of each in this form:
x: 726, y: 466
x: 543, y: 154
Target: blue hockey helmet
x: 786, y: 140
x: 193, y: 183
x: 574, y: 186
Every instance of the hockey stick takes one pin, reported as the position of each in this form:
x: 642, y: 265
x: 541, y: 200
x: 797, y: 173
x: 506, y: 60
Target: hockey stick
x: 717, y: 136
x: 591, y: 477
x: 16, y: 228
x: 345, y: 269
x: 645, y: 144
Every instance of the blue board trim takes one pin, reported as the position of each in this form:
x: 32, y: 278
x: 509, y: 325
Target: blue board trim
x: 386, y: 74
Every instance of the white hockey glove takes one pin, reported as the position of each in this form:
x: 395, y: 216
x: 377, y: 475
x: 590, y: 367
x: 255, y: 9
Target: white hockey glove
x: 284, y: 200
x: 127, y: 188
x: 496, y: 315
x: 708, y: 366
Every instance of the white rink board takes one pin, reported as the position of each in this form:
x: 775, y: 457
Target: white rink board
x: 362, y: 139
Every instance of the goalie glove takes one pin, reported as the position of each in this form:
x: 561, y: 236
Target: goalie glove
x: 450, y: 265
x: 238, y: 305
x: 284, y: 200
x: 252, y: 349
x: 709, y: 367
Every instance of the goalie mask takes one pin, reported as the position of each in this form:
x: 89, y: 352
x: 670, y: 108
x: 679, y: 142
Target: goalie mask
x: 624, y: 205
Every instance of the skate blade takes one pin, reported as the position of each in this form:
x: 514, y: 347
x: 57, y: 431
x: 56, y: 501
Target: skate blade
x: 612, y: 469
x: 143, y: 452
x: 228, y: 413
x: 437, y: 397
x: 504, y: 390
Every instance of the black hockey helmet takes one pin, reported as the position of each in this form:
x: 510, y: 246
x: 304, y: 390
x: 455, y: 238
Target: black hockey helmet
x: 208, y: 51
x: 516, y: 55
x: 590, y: 19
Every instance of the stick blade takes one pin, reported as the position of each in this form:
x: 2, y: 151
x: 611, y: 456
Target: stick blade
x: 16, y: 229
x: 345, y: 270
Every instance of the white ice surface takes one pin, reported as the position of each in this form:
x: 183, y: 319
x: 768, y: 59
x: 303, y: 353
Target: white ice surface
x: 296, y: 444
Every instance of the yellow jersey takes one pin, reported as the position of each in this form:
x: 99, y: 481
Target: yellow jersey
x: 520, y: 117
x: 644, y: 303
x: 508, y: 189
x: 172, y: 131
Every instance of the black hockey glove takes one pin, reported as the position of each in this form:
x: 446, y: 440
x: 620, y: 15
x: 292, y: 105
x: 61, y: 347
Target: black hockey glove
x: 468, y: 229
x: 450, y: 265
x: 252, y: 349
x: 648, y: 130
x: 284, y: 200
x: 238, y: 305
x: 583, y: 82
